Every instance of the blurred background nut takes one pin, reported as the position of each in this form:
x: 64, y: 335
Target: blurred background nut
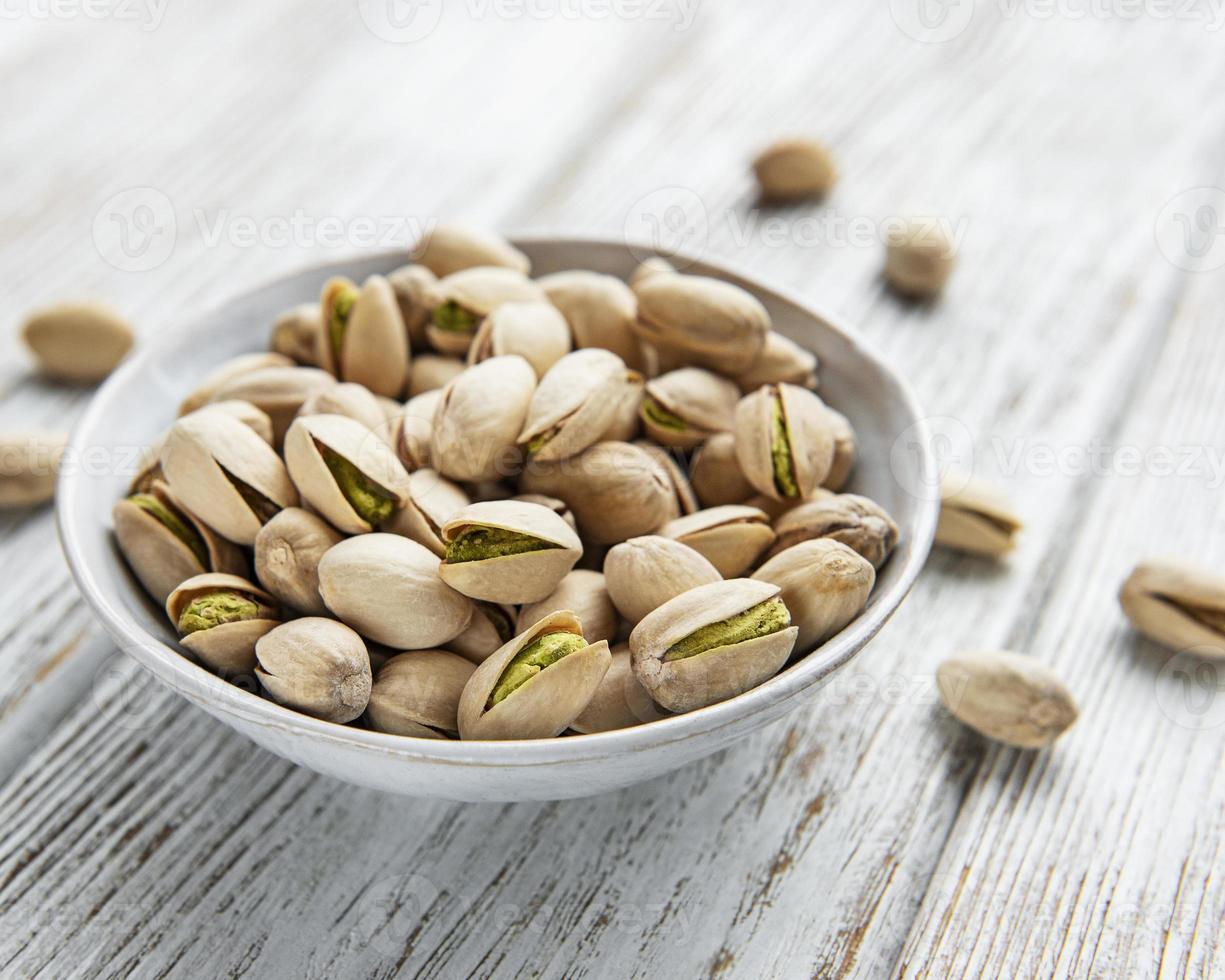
x: 583, y: 593
x: 653, y: 266
x: 430, y: 372
x: 432, y: 501
x: 412, y: 285
x: 575, y: 404
x: 620, y: 701
x: 794, y: 169
x: 219, y: 618
x: 491, y: 626
x: 731, y: 537
x: 317, y: 666
x: 415, y: 432
x: 254, y: 418
x: 79, y: 343
x: 287, y: 553
x: 685, y: 407
x: 1178, y: 605
x: 461, y: 301
x: 479, y: 418
x: 1006, y: 697
x: 975, y: 517
x: 297, y: 334
x: 352, y: 401
x: 919, y: 258
x: 226, y: 372
x: 417, y: 694
x: 448, y: 248
x: 29, y: 467
x: 715, y: 473
x: 855, y: 521
x: 641, y: 574
x: 537, y: 332
x: 600, y: 310
x: 782, y: 361
x: 784, y: 441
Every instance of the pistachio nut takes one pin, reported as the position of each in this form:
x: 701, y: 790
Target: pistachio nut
x: 626, y: 421
x: 364, y: 338
x: 535, y: 331
x: 1178, y: 605
x: 225, y: 474
x: 279, y: 392
x: 583, y: 593
x: 654, y: 266
x: 845, y: 450
x: 461, y: 301
x: 919, y: 258
x: 387, y: 588
x: 29, y: 467
x: 77, y: 342
x: 558, y: 507
x: 575, y: 404
x: 712, y: 643
x: 616, y: 490
x: 672, y: 463
x: 535, y: 685
x: 685, y: 407
x: 417, y: 694
x: 297, y: 334
x: 781, y: 361
x: 600, y: 310
x: 641, y: 574
x: 352, y: 401
x: 731, y: 537
x: 1006, y: 697
x: 415, y: 431
x: 219, y: 618
x: 507, y: 551
x: 222, y: 375
x: 620, y: 701
x: 317, y: 666
x: 346, y: 472
x: 784, y: 441
x: 165, y: 544
x: 857, y: 522
x: 715, y: 472
x: 253, y: 417
x: 449, y: 248
x: 287, y: 553
x: 793, y: 169
x: 491, y: 626
x: 412, y: 285
x: 714, y: 324
x: 975, y: 517
x: 149, y: 467
x: 825, y: 585
x: 479, y: 417
x: 432, y: 372
x: 432, y: 501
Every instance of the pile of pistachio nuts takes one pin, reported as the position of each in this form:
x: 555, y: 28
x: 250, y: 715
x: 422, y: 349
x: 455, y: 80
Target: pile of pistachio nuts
x: 598, y: 503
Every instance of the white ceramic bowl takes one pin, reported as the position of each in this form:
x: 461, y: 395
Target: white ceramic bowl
x: 139, y: 401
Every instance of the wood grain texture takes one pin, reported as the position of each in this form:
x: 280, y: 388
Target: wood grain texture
x: 868, y: 836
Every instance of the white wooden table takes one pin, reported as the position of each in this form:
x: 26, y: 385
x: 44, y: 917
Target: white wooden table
x: 871, y: 835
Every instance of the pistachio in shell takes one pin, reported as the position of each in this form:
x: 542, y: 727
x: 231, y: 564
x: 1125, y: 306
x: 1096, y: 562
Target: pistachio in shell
x: 479, y: 417
x: 585, y: 594
x: 975, y: 517
x: 1177, y: 604
x: 219, y: 618
x: 417, y: 694
x: 432, y: 372
x: 364, y: 339
x: 845, y: 451
x: 685, y: 407
x: 653, y: 266
x: 672, y: 462
x: 353, y: 401
x: 287, y: 553
x: 415, y: 430
x: 715, y: 473
x: 460, y: 302
x: 29, y: 467
x: 536, y: 685
x: 535, y: 331
x: 297, y: 334
x: 279, y: 392
x: 79, y: 343
x: 576, y: 403
x: 507, y: 551
x: 731, y: 537
x: 857, y: 522
x: 413, y: 285
x: 1007, y: 697
x: 784, y: 441
x: 620, y: 701
x: 793, y: 169
x: 558, y: 507
x: 919, y: 258
x: 491, y: 626
x: 449, y: 248
x: 317, y: 666
x: 432, y: 501
x: 642, y: 574
x: 781, y: 361
x: 712, y: 643
x: 600, y: 309
x: 226, y: 372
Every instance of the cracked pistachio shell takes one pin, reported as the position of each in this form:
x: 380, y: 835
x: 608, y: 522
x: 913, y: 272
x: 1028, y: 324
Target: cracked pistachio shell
x: 477, y: 291
x: 794, y: 169
x: 576, y: 403
x: 600, y: 309
x: 149, y: 468
x: 1178, y: 605
x: 641, y: 574
x: 857, y: 522
x: 585, y: 594
x: 715, y: 324
x: 525, y: 577
x: 29, y: 467
x: 352, y: 401
x: 975, y: 517
x: 810, y: 437
x: 715, y: 473
x: 415, y: 431
x: 686, y: 501
x: 626, y: 422
x: 204, y: 453
x: 79, y: 343
x: 373, y: 349
x: 654, y: 266
x: 230, y: 647
x: 731, y: 537
x: 537, y: 332
x: 387, y: 588
x: 297, y: 334
x: 616, y: 490
x: 558, y: 507
x: 1006, y: 697
x: 825, y: 585
x: 448, y: 248
x: 919, y: 258
x: 781, y: 361
x: 620, y: 701
x: 222, y: 375
x: 491, y: 626
x: 696, y: 403
x: 432, y: 372
x: 253, y: 417
x: 432, y: 501
x: 417, y: 694
x: 287, y: 553
x: 479, y: 418
x: 845, y: 451
x: 356, y: 444
x: 317, y: 666
x: 279, y: 392
x: 718, y: 674
x: 159, y: 557
x: 412, y: 285
x: 545, y: 705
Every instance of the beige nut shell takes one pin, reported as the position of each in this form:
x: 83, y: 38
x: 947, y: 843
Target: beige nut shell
x: 580, y: 397
x: 620, y: 701
x: 600, y: 309
x: 716, y: 324
x: 810, y: 433
x: 449, y: 248
x: 479, y: 418
x: 288, y: 550
x: 702, y: 398
x: 374, y: 347
x: 417, y: 694
x: 226, y: 372
x: 229, y: 648
x: 641, y: 574
x: 731, y: 537
x: 432, y: 501
x: 535, y: 331
x: 78, y: 342
x: 584, y: 593
x: 317, y: 666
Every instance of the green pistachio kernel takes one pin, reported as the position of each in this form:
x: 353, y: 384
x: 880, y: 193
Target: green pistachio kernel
x: 480, y: 543
x: 780, y: 452
x: 371, y: 502
x: 342, y: 307
x: 217, y: 609
x: 531, y: 660
x: 760, y: 620
x: 454, y: 318
x: 261, y: 506
x: 175, y: 523
x: 652, y: 411
x: 537, y: 443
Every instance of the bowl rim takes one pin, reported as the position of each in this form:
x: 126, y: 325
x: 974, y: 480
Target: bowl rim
x: 193, y: 682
